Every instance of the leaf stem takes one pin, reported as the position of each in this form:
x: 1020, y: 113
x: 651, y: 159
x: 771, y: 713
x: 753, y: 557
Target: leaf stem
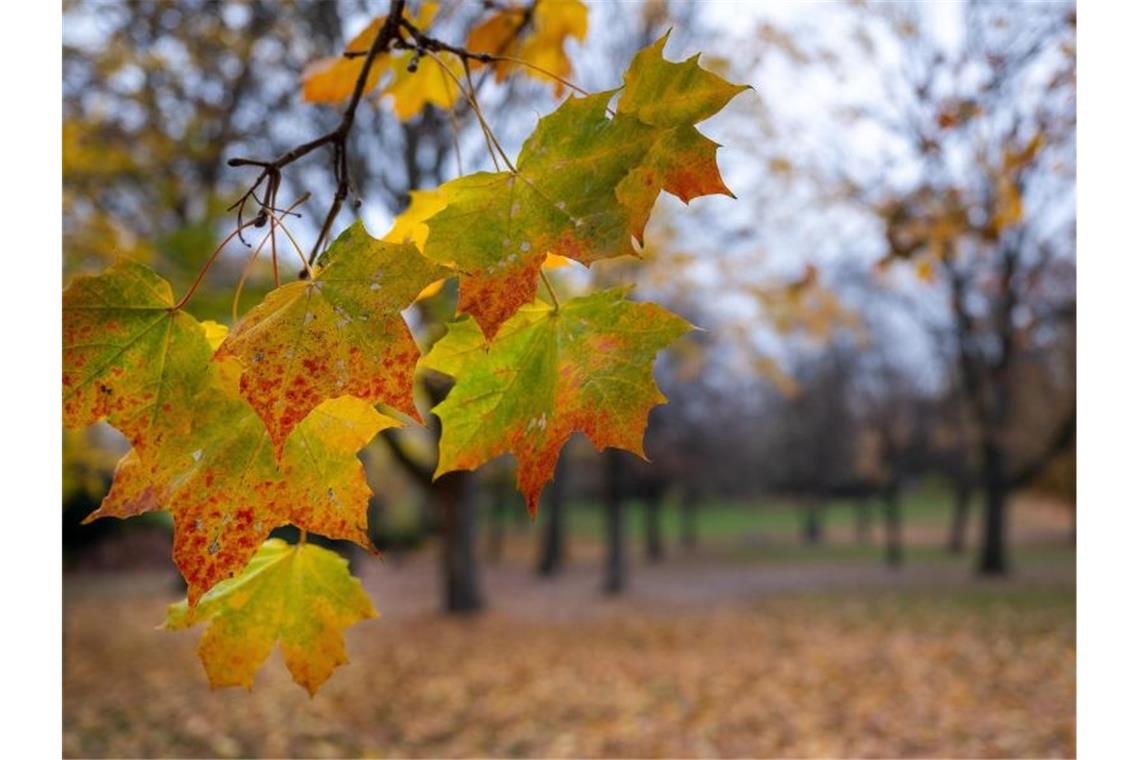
x: 544, y: 71
x: 549, y: 288
x: 209, y: 262
x: 478, y: 111
x: 272, y: 234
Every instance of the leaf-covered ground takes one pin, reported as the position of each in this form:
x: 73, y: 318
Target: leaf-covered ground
x: 715, y: 655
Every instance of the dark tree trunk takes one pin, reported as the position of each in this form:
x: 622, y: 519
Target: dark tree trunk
x: 892, y: 519
x: 960, y: 520
x: 813, y: 522
x: 689, y: 507
x: 993, y: 559
x: 654, y: 547
x: 455, y: 493
x: 862, y: 521
x: 553, y: 551
x: 617, y: 571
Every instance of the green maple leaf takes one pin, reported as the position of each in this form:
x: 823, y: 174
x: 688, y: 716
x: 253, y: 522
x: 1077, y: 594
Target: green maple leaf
x: 586, y: 367
x: 340, y: 333
x: 668, y: 94
x: 584, y: 186
x: 300, y: 596
x: 128, y: 355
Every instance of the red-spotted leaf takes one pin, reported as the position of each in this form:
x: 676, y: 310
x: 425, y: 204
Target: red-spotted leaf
x: 128, y: 355
x: 227, y: 491
x: 340, y: 333
x: 586, y: 367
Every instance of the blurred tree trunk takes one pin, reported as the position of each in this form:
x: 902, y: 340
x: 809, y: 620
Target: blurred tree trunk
x: 813, y: 521
x: 863, y: 521
x: 616, y: 570
x: 553, y: 552
x: 654, y: 547
x: 892, y: 520
x: 960, y: 519
x: 454, y: 497
x: 455, y: 494
x: 993, y: 559
x: 689, y: 506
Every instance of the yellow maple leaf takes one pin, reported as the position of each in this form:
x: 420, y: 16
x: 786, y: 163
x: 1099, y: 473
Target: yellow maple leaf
x: 299, y: 596
x: 543, y: 46
x: 333, y: 79
x: 429, y: 83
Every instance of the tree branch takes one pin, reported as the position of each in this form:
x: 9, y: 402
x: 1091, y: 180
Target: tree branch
x: 337, y: 138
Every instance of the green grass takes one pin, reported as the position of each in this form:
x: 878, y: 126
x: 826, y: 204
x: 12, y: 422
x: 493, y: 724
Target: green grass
x: 760, y: 520
x: 925, y: 554
x: 769, y: 532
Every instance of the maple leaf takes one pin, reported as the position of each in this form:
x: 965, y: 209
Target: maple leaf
x: 553, y: 22
x: 668, y: 94
x: 587, y: 366
x: 583, y: 188
x: 128, y: 355
x: 299, y: 596
x: 226, y: 489
x: 333, y: 79
x: 428, y: 83
x: 339, y: 333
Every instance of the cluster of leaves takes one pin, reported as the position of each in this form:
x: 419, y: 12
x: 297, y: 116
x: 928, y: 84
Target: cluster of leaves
x: 928, y: 225
x: 237, y: 432
x: 529, y: 39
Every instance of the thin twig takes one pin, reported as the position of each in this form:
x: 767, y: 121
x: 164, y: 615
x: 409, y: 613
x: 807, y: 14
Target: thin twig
x: 482, y: 125
x: 478, y: 111
x: 209, y: 262
x: 337, y: 138
x: 541, y: 70
x: 275, y: 220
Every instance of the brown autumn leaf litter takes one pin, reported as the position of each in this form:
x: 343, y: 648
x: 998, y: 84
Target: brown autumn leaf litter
x: 934, y: 669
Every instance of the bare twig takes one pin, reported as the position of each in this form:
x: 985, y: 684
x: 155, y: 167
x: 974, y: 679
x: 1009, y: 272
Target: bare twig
x: 270, y: 173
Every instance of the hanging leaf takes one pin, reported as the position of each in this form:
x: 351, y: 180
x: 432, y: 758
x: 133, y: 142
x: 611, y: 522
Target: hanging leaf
x: 539, y: 39
x: 667, y: 94
x: 584, y: 187
x: 339, y: 333
x: 221, y: 482
x: 299, y: 596
x: 128, y: 355
x: 333, y: 79
x: 586, y: 367
x: 429, y: 83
